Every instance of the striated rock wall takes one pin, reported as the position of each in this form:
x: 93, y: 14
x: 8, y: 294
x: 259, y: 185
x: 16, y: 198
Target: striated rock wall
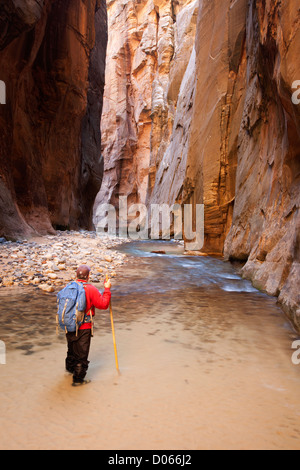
x: 217, y: 112
x: 52, y: 59
x: 172, y: 105
x: 265, y: 229
x: 238, y: 151
x: 126, y: 121
x: 204, y: 114
x: 150, y: 43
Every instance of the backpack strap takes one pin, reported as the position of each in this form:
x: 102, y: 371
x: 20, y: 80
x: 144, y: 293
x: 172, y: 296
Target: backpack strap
x: 89, y: 320
x: 57, y: 319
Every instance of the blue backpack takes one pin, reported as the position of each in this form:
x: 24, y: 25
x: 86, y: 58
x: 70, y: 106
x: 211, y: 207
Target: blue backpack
x: 71, y: 302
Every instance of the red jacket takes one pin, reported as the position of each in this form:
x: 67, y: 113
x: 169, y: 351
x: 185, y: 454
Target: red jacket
x: 94, y: 299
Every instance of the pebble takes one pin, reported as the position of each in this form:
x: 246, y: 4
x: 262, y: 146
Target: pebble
x: 47, y: 288
x: 51, y: 261
x: 52, y: 276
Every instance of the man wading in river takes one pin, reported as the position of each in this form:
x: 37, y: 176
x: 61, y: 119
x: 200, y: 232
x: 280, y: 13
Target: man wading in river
x: 79, y: 344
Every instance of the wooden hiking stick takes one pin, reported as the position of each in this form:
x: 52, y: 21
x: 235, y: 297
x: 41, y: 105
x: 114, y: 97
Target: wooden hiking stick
x: 113, y: 331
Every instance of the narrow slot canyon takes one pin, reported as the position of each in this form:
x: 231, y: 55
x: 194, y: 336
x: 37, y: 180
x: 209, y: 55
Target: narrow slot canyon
x: 111, y: 110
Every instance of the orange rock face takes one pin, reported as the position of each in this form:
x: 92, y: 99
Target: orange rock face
x: 52, y: 56
x: 241, y: 151
x: 199, y: 109
x: 265, y: 227
x: 149, y: 46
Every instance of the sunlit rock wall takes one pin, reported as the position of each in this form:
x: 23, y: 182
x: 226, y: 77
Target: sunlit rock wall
x: 149, y: 50
x: 240, y: 146
x: 198, y: 109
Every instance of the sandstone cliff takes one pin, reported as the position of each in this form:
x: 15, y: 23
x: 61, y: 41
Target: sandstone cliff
x: 265, y: 229
x: 150, y: 44
x: 52, y: 59
x: 243, y: 160
x: 204, y: 114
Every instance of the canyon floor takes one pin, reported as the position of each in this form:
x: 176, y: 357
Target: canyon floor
x: 205, y: 360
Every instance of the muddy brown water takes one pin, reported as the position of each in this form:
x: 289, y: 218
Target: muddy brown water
x: 205, y: 363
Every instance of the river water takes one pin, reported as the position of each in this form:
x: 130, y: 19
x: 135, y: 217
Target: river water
x: 205, y: 363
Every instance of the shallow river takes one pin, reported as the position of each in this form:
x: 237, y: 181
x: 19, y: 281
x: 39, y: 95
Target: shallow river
x: 205, y: 363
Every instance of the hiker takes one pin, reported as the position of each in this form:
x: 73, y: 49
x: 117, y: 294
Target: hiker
x: 79, y: 343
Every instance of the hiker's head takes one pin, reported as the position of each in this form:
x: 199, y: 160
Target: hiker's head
x: 83, y: 272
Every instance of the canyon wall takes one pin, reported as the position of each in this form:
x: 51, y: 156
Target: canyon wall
x: 150, y: 44
x: 243, y: 158
x: 204, y: 114
x: 52, y: 59
x: 265, y: 228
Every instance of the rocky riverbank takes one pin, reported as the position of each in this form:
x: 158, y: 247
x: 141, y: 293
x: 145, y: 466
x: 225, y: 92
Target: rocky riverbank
x: 51, y: 261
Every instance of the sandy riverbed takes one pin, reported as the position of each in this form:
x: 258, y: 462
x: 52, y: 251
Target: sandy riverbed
x: 166, y: 397
x: 191, y: 377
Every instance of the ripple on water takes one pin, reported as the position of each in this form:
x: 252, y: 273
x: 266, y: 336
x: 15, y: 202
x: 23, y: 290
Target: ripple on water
x: 205, y: 362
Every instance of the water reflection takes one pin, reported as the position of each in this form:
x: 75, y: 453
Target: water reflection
x: 168, y: 271
x: 205, y: 363
x: 207, y: 296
